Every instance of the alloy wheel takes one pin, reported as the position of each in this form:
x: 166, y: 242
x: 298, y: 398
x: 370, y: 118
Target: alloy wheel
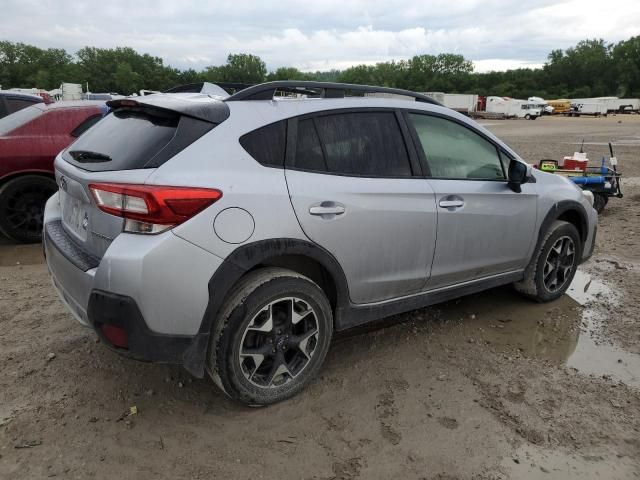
x: 279, y: 342
x: 559, y: 264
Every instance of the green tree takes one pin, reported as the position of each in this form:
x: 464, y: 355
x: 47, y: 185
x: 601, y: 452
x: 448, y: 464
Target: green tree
x: 626, y: 58
x: 288, y: 73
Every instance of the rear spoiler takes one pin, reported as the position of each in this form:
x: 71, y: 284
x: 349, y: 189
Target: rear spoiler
x: 203, y: 108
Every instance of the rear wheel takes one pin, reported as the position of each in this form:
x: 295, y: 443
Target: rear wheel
x: 272, y: 338
x: 554, y: 265
x: 22, y: 202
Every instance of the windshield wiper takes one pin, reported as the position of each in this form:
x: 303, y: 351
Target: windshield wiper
x: 85, y: 156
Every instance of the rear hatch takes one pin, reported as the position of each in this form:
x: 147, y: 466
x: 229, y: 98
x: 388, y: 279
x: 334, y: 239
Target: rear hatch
x: 125, y: 147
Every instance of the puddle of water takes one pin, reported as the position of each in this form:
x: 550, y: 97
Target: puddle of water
x: 538, y: 464
x: 560, y: 332
x: 16, y: 254
x: 590, y: 355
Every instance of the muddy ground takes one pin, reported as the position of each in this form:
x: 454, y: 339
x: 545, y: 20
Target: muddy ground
x: 487, y: 387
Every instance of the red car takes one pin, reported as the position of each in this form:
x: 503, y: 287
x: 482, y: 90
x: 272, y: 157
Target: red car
x: 30, y: 139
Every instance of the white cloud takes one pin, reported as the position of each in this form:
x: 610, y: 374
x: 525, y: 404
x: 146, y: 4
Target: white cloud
x: 496, y: 34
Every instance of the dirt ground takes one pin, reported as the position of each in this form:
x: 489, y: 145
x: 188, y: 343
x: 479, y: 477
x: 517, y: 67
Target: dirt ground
x: 487, y: 387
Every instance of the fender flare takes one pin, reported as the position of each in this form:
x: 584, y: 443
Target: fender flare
x: 554, y: 213
x: 244, y: 259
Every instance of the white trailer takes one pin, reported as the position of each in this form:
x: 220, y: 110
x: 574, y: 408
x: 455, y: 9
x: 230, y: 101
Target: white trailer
x: 611, y: 104
x: 585, y: 108
x: 70, y: 91
x: 461, y: 102
x: 627, y: 105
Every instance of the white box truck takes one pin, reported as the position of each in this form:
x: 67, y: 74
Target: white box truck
x: 513, y: 108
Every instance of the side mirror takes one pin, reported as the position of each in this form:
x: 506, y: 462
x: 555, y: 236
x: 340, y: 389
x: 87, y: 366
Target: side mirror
x: 518, y: 174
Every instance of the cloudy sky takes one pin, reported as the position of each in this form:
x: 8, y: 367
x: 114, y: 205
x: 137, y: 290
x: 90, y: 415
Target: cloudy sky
x: 495, y: 34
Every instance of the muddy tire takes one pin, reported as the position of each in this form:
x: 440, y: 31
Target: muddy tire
x: 554, y: 265
x: 272, y: 338
x: 22, y: 203
x: 599, y: 202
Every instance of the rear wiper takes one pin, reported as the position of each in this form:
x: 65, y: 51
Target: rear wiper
x: 87, y: 156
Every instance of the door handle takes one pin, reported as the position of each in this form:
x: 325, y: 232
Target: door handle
x: 451, y: 201
x: 327, y: 208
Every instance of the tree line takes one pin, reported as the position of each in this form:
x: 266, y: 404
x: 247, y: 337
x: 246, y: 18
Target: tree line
x: 589, y: 69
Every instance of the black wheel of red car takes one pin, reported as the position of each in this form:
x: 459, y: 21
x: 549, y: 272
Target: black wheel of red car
x: 22, y: 203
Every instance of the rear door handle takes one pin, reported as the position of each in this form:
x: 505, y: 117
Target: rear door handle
x: 327, y: 208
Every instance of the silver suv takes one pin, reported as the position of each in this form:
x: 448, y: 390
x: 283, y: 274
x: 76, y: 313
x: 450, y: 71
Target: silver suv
x: 235, y: 234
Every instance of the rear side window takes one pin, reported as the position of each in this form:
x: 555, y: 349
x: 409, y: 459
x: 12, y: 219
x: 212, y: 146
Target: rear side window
x: 368, y: 144
x: 456, y: 152
x: 128, y: 139
x: 18, y: 119
x: 267, y: 144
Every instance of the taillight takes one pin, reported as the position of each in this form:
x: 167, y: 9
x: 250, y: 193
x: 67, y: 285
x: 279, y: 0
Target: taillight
x: 152, y: 208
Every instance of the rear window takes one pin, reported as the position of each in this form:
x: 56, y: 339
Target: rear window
x: 129, y: 139
x: 18, y: 119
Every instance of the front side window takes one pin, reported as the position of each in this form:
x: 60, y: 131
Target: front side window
x: 366, y: 144
x: 456, y: 152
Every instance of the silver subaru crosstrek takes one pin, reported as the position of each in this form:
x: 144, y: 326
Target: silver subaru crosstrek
x: 235, y: 234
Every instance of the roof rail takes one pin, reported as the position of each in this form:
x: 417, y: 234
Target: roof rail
x: 266, y: 91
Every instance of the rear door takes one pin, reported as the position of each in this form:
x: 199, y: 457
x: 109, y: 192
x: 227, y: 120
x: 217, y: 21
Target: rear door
x: 484, y: 228
x: 351, y: 181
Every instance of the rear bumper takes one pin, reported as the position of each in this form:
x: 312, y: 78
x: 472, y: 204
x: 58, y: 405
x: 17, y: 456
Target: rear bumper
x: 107, y: 308
x: 153, y: 287
x: 96, y: 308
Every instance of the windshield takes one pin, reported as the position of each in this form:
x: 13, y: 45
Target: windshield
x: 18, y: 119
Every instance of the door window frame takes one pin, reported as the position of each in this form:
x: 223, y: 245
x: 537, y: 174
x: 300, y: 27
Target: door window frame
x: 417, y: 144
x: 415, y: 165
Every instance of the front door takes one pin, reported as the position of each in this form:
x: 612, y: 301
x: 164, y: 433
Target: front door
x: 484, y: 228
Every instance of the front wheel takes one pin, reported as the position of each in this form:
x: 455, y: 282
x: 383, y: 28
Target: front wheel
x: 272, y: 337
x: 527, y: 117
x: 554, y: 265
x: 22, y: 203
x: 600, y: 201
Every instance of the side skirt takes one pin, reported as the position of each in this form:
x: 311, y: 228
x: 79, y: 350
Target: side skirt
x: 356, y: 315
